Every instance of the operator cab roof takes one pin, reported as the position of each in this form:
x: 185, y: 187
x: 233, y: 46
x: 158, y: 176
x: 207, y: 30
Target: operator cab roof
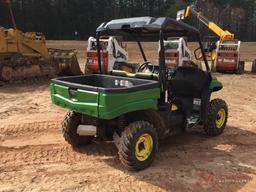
x: 146, y: 28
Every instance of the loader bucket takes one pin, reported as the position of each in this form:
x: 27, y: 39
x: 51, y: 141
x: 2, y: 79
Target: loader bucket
x: 67, y: 61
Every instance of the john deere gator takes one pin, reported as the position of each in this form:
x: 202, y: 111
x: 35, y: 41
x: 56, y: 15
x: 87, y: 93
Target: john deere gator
x: 137, y: 110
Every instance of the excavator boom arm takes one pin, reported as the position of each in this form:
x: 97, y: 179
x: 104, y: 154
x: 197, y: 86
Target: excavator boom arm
x: 223, y: 34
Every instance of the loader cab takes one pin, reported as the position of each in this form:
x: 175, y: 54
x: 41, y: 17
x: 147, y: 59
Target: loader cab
x: 176, y: 52
x: 228, y: 56
x: 209, y: 43
x: 113, y: 52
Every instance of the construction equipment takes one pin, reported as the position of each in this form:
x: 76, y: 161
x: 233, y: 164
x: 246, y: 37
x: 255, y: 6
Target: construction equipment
x: 136, y: 110
x: 225, y: 54
x: 113, y: 55
x: 176, y: 52
x: 25, y: 55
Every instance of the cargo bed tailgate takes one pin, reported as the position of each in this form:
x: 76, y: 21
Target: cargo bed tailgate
x: 104, y: 96
x: 82, y: 101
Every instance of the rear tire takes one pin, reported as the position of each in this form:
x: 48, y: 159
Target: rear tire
x: 69, y: 130
x: 240, y: 69
x: 138, y: 145
x: 254, y: 66
x: 216, y: 117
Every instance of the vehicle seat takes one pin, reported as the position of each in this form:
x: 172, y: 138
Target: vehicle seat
x: 122, y: 73
x: 189, y: 81
x: 149, y: 76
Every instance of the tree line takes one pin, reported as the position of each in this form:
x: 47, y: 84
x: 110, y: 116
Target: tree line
x: 70, y: 19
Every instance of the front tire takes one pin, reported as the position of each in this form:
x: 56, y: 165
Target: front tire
x: 217, y: 117
x: 240, y: 69
x: 69, y: 130
x: 138, y: 145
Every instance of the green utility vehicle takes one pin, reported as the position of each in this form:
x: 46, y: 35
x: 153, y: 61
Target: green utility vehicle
x: 136, y: 110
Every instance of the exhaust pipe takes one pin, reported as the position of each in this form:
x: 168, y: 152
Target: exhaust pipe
x: 86, y: 130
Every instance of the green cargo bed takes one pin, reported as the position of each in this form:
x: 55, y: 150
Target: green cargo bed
x: 104, y: 96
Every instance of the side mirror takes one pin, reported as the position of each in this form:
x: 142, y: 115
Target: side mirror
x: 198, y: 54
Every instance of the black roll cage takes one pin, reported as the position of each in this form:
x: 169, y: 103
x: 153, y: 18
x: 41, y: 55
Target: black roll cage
x: 149, y: 29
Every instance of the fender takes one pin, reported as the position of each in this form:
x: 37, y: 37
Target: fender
x: 215, y: 85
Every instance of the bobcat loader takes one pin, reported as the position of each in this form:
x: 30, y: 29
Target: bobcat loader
x: 113, y: 56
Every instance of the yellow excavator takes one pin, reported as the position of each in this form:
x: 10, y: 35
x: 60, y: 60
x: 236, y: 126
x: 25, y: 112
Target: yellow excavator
x: 25, y: 55
x: 225, y: 53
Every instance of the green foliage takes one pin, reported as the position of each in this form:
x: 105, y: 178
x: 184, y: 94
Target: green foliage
x: 60, y: 19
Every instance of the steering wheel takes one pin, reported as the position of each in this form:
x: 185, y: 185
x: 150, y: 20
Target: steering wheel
x: 145, y: 66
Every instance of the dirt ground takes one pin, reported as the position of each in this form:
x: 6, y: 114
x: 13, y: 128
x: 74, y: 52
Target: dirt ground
x: 35, y: 157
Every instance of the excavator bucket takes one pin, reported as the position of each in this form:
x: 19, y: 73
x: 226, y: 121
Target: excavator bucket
x: 67, y: 61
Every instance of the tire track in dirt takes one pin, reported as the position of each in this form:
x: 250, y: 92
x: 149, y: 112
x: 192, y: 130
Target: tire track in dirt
x: 29, y: 128
x: 55, y: 153
x: 32, y: 152
x: 88, y: 179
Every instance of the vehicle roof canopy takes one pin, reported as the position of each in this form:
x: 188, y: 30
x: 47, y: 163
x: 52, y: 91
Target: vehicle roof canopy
x: 146, y: 28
